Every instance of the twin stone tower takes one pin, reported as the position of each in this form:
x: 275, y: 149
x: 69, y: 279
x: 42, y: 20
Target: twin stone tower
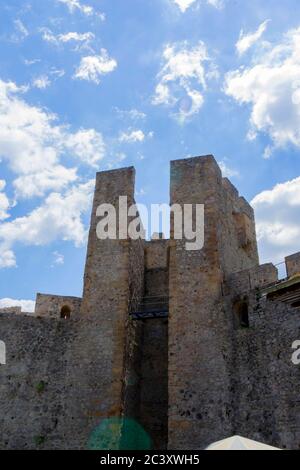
x: 168, y: 348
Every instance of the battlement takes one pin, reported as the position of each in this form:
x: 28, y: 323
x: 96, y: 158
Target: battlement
x: 248, y: 280
x: 293, y: 264
x: 15, y: 310
x: 56, y: 307
x: 186, y: 343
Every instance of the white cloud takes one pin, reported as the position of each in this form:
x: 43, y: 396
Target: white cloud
x: 57, y: 73
x: 118, y: 158
x: 26, y: 305
x: 88, y: 10
x: 20, y: 33
x: 226, y: 170
x: 29, y: 62
x: 132, y: 136
x: 278, y: 220
x: 216, y: 3
x: 4, y: 202
x: 59, y: 217
x: 4, y: 206
x: 71, y: 36
x: 185, y: 4
x: 247, y: 40
x: 183, y: 78
x: 48, y: 36
x: 32, y: 143
x: 133, y: 114
x: 271, y: 86
x: 91, y: 68
x: 59, y: 258
x: 41, y: 82
x: 88, y: 145
x: 37, y: 184
x: 7, y: 257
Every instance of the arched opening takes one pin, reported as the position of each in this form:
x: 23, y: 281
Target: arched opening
x: 65, y: 312
x: 242, y: 314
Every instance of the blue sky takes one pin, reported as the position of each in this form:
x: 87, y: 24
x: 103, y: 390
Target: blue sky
x: 88, y: 85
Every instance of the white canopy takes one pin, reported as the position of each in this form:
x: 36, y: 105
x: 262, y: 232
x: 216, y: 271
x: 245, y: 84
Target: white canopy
x: 239, y: 443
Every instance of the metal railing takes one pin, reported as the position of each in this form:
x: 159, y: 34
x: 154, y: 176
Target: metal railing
x: 150, y: 307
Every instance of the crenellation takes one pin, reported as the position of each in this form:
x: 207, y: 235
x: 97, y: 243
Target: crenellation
x: 230, y: 189
x: 193, y: 346
x: 13, y: 310
x: 249, y: 279
x: 245, y: 207
x: 54, y: 306
x: 293, y: 264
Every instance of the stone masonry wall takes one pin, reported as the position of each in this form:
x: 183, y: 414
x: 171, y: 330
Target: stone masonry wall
x: 198, y: 379
x: 35, y: 393
x: 154, y: 381
x: 132, y: 366
x: 154, y: 357
x: 189, y: 380
x: 236, y: 228
x: 293, y: 264
x: 146, y: 390
x: 106, y: 297
x: 265, y: 403
x: 14, y: 310
x: 64, y: 378
x: 50, y: 305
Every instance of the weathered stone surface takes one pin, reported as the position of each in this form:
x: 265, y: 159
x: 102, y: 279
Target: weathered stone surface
x: 219, y: 365
x: 16, y: 310
x: 293, y: 264
x: 51, y: 306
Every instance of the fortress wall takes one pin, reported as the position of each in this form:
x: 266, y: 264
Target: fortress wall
x: 50, y: 305
x: 136, y: 271
x: 33, y: 387
x: 146, y: 390
x: 198, y: 330
x: 156, y: 269
x: 293, y: 264
x: 154, y: 354
x: 249, y: 279
x: 12, y: 310
x: 65, y: 378
x: 236, y: 227
x: 265, y: 402
x: 134, y: 329
x: 157, y: 284
x: 156, y: 254
x: 146, y: 383
x: 101, y: 342
x: 154, y: 381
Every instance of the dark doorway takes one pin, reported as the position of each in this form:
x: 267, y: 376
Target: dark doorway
x: 65, y: 312
x: 242, y: 314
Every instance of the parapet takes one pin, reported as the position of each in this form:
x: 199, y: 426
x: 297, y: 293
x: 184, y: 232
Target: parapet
x: 293, y: 264
x: 54, y: 306
x: 230, y: 188
x: 196, y: 167
x: 250, y: 279
x: 13, y: 310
